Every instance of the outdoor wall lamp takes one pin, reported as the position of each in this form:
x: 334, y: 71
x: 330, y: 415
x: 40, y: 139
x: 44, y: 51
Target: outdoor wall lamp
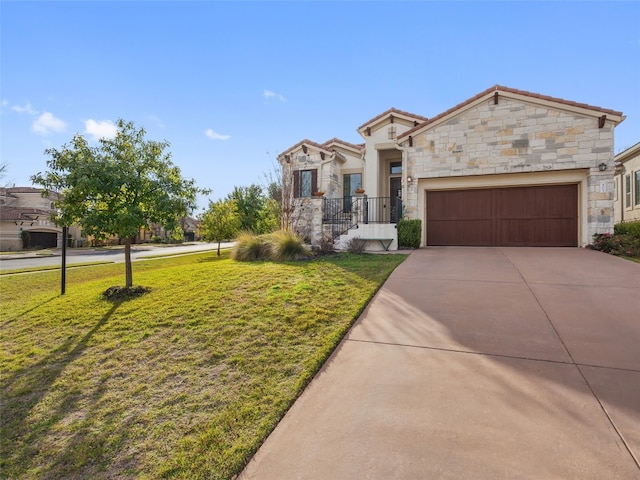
x: 602, y: 167
x: 409, y: 179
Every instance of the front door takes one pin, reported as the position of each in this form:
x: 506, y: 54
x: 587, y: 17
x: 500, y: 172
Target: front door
x: 395, y: 192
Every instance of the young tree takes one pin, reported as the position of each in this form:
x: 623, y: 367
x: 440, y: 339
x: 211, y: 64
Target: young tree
x: 4, y: 167
x: 119, y: 186
x: 255, y: 216
x: 281, y: 199
x: 220, y: 222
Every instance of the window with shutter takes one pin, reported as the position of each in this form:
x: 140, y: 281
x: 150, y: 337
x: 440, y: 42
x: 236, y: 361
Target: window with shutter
x: 305, y: 182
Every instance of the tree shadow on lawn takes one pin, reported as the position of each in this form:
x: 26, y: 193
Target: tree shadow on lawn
x: 11, y: 320
x: 21, y: 437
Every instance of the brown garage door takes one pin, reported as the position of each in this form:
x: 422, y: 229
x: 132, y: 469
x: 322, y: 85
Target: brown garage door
x: 541, y: 216
x: 42, y: 239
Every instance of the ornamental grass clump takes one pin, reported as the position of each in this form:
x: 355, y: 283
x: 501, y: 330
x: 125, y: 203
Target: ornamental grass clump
x: 277, y: 246
x: 286, y: 245
x: 250, y: 247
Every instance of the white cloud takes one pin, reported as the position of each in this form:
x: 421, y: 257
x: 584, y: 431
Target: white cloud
x: 47, y: 123
x: 271, y: 94
x: 100, y: 129
x: 216, y: 136
x: 5, y: 103
x: 27, y: 108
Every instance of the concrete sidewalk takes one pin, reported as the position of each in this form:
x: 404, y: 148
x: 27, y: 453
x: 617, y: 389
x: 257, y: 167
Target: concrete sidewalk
x: 479, y: 363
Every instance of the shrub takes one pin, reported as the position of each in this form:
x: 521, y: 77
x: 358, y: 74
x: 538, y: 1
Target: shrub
x: 618, y: 244
x: 286, y: 245
x: 603, y: 242
x: 628, y: 228
x: 356, y: 245
x: 409, y: 233
x: 326, y: 246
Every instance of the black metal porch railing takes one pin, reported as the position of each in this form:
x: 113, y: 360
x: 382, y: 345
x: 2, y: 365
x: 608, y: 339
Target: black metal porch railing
x: 347, y: 212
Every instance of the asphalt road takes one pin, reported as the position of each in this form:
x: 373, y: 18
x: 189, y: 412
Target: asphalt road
x: 115, y: 255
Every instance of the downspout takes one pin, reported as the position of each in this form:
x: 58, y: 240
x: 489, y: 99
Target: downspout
x: 322, y: 164
x: 363, y: 161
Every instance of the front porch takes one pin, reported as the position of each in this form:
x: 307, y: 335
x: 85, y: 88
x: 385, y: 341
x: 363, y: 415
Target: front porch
x: 371, y: 218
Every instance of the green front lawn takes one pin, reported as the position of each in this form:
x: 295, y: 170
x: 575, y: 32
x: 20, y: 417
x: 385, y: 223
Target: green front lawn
x: 183, y: 382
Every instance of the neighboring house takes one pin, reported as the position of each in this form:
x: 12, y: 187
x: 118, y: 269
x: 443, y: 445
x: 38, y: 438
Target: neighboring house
x: 155, y: 231
x: 190, y: 227
x: 627, y: 199
x: 25, y: 220
x: 506, y: 167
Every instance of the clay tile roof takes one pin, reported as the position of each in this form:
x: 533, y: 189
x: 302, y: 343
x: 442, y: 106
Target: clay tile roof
x: 5, y: 193
x: 337, y: 140
x: 393, y: 110
x: 628, y: 153
x: 307, y: 142
x: 10, y: 190
x: 500, y: 88
x: 554, y: 99
x: 21, y: 213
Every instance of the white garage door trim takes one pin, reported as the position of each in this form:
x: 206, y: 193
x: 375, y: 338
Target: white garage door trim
x: 508, y: 180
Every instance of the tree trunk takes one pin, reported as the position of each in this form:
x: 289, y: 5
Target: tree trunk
x: 218, y: 248
x: 127, y: 263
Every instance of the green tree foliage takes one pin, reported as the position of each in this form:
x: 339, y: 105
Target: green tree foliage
x: 254, y: 209
x: 220, y: 221
x: 117, y: 187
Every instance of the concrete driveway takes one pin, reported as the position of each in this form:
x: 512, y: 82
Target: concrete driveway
x: 477, y: 363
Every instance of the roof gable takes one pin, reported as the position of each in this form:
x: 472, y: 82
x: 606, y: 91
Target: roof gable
x: 336, y: 142
x: 497, y: 90
x: 390, y: 116
x: 628, y: 154
x: 304, y: 144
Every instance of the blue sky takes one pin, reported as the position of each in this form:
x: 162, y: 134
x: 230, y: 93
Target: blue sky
x: 232, y: 84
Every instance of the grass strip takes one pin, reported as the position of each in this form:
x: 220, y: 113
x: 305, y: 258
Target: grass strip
x: 50, y: 267
x: 183, y: 382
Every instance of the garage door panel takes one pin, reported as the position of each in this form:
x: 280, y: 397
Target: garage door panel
x: 556, y: 201
x: 514, y: 216
x: 476, y: 233
x: 43, y: 239
x: 541, y: 232
x: 460, y: 205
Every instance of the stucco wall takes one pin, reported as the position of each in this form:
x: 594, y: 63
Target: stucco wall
x: 27, y: 198
x: 631, y: 167
x: 375, y: 231
x: 514, y: 137
x: 376, y: 177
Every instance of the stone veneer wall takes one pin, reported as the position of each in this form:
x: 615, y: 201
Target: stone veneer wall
x: 307, y: 219
x: 516, y: 137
